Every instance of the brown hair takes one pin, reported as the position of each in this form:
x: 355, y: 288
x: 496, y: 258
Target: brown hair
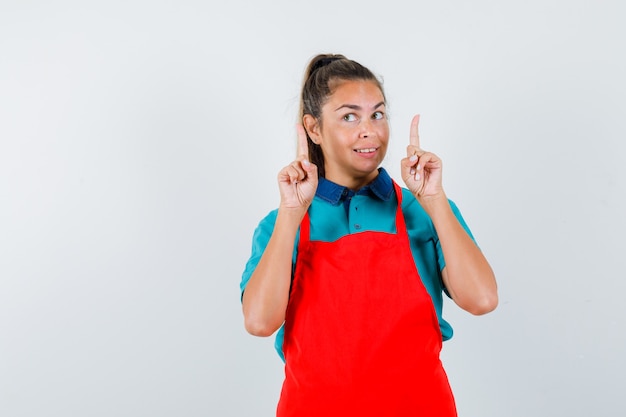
x: 323, y: 74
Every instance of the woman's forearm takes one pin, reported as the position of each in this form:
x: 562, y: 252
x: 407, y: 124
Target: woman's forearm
x: 467, y: 275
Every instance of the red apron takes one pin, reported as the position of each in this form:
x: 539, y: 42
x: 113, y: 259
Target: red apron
x: 361, y: 333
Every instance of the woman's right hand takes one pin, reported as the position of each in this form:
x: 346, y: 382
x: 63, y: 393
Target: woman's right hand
x: 298, y: 180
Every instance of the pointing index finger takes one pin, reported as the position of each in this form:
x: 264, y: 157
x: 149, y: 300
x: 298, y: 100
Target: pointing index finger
x: 414, y: 135
x: 303, y: 145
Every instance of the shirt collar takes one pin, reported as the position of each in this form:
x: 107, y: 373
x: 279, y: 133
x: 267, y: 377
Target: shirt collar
x: 381, y: 187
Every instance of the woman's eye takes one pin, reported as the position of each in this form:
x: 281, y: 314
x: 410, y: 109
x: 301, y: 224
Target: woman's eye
x: 378, y: 115
x: 349, y: 117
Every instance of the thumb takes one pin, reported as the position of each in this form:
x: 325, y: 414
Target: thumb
x: 309, y: 167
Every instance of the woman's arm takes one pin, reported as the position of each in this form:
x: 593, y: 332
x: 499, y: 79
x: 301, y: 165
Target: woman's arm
x: 468, y: 277
x: 266, y: 294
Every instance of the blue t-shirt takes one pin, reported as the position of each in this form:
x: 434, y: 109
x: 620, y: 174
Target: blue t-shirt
x: 337, y: 211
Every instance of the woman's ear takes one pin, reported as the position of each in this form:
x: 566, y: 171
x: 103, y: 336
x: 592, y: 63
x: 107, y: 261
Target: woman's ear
x: 312, y: 127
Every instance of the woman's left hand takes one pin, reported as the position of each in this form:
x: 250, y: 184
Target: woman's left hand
x: 421, y: 170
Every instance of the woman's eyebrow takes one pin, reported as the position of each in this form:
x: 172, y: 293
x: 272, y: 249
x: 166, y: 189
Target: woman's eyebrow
x: 357, y: 107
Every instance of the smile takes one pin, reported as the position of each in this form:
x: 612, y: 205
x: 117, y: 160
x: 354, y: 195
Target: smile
x: 366, y: 150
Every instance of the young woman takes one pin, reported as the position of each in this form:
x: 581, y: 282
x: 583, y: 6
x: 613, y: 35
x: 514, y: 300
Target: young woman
x: 351, y: 267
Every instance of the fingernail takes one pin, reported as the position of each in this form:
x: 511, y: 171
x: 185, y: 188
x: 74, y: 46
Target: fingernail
x: 306, y: 162
x: 413, y: 158
x: 417, y: 176
x: 412, y: 171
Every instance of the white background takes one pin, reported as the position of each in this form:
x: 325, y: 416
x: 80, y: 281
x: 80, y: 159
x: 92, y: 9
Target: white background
x: 139, y: 145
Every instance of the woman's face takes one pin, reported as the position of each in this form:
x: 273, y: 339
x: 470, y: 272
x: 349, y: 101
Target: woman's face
x: 354, y: 133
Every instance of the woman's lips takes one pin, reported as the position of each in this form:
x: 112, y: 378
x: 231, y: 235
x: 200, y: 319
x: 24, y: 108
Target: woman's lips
x: 366, y: 150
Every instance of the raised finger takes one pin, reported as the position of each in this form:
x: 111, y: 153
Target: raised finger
x: 303, y: 145
x: 414, y: 138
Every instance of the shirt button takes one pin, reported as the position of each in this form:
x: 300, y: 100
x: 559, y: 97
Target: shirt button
x: 357, y: 226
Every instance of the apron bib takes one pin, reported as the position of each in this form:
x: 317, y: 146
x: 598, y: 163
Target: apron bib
x: 361, y: 333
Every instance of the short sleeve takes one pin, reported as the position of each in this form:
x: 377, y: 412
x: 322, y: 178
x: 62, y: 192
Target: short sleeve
x: 261, y: 237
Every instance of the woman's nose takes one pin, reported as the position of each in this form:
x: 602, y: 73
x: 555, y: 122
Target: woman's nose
x: 365, y: 128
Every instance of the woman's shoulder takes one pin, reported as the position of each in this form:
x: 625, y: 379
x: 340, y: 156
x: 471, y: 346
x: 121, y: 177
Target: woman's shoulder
x: 416, y: 217
x: 410, y: 203
x: 265, y: 227
x: 270, y: 217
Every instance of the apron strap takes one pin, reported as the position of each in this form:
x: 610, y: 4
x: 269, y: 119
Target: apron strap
x: 400, y: 223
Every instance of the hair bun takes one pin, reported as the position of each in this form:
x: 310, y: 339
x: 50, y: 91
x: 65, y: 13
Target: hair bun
x: 325, y: 61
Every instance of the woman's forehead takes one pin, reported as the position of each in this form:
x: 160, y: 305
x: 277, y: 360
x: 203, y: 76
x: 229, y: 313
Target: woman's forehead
x: 365, y: 93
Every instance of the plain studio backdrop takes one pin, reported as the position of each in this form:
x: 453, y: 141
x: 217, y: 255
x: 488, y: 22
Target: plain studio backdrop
x: 140, y: 143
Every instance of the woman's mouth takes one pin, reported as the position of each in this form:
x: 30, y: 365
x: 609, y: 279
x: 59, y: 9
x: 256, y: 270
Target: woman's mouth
x: 366, y: 150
